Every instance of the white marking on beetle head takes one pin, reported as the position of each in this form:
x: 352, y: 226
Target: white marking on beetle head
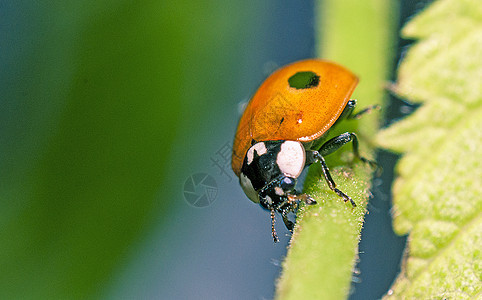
x: 260, y: 149
x: 278, y: 191
x: 269, y: 200
x: 248, y: 188
x: 291, y: 158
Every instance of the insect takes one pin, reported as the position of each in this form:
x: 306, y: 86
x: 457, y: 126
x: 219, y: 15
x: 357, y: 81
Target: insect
x: 283, y: 129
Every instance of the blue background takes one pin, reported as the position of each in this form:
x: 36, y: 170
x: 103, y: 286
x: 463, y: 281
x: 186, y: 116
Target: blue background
x: 108, y: 107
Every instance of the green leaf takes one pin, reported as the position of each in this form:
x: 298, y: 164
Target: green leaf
x: 438, y: 194
x: 324, y: 246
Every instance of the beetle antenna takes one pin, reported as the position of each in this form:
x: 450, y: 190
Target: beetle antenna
x: 273, y: 231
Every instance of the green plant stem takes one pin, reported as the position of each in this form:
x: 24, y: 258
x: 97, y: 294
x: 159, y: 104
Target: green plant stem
x: 324, y: 246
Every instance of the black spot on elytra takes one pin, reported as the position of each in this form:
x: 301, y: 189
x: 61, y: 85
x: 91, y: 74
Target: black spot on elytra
x: 304, y: 80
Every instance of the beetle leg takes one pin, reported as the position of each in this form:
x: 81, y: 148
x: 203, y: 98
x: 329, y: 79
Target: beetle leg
x: 301, y: 197
x: 311, y: 157
x: 314, y: 156
x: 290, y: 225
x: 347, y: 111
x: 366, y: 110
x: 273, y: 231
x: 290, y: 205
x: 284, y: 208
x: 335, y: 143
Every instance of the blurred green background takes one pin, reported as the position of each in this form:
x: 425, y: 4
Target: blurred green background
x: 107, y: 108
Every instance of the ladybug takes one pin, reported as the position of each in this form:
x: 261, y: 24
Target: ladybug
x: 284, y: 128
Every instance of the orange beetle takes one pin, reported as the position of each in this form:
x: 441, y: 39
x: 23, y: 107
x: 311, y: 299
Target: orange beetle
x: 282, y: 131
